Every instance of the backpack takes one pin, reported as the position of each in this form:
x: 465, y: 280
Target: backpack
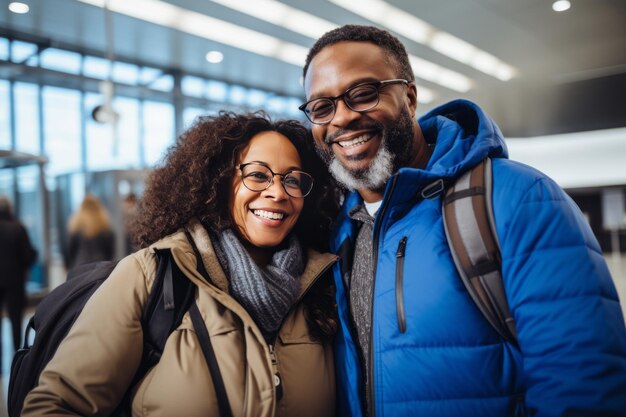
x: 471, y: 233
x: 167, y: 302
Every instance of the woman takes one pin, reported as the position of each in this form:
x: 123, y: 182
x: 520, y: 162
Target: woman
x: 91, y: 237
x: 240, y: 187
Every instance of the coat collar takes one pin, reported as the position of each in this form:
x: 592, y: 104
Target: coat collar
x: 316, y: 264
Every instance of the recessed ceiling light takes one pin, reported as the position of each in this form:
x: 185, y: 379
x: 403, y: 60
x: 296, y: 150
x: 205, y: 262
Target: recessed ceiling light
x: 214, y: 57
x: 18, y: 7
x: 561, y: 5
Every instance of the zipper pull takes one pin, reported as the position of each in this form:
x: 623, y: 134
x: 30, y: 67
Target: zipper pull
x: 401, y: 247
x: 400, y: 285
x: 277, y: 381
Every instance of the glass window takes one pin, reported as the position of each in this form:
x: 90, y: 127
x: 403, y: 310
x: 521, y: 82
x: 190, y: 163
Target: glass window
x: 4, y: 49
x: 21, y: 51
x: 77, y: 191
x: 108, y: 146
x: 256, y: 99
x: 95, y: 67
x: 125, y: 73
x: 31, y: 215
x: 193, y: 86
x: 5, y: 117
x: 158, y: 122
x: 190, y: 114
x: 26, y: 109
x: 164, y: 83
x: 59, y: 60
x: 62, y: 129
x: 27, y: 182
x: 32, y: 61
x: 148, y: 75
x: 128, y: 132
x: 6, y: 183
x: 237, y: 95
x: 98, y: 137
x: 277, y: 105
x: 292, y: 107
x: 217, y: 91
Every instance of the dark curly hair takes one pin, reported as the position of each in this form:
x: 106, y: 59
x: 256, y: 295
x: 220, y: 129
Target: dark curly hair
x: 194, y: 180
x: 391, y: 46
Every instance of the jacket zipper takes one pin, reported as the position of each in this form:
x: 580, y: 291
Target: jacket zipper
x: 277, y: 381
x: 400, y: 285
x: 380, y: 215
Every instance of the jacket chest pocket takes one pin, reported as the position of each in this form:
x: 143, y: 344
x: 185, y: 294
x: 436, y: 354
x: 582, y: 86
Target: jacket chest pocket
x: 306, y: 369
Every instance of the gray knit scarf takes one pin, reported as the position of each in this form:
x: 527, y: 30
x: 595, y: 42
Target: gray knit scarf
x: 268, y: 293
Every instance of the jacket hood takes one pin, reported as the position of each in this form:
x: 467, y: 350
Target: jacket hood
x: 462, y: 135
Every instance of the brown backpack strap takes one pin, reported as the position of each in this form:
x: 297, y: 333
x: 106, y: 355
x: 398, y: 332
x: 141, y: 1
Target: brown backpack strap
x: 470, y: 230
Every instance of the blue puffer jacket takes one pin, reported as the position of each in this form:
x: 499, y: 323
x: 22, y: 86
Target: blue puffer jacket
x: 450, y: 362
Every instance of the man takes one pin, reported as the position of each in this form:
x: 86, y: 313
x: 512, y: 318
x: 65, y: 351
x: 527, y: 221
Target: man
x: 433, y: 354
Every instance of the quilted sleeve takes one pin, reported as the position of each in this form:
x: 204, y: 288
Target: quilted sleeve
x: 569, y: 321
x: 96, y: 361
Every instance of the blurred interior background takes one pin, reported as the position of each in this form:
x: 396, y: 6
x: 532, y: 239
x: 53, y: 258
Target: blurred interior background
x: 92, y: 92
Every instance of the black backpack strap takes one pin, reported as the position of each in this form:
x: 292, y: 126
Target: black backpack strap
x: 470, y: 230
x: 171, y: 296
x: 205, y: 340
x: 209, y: 354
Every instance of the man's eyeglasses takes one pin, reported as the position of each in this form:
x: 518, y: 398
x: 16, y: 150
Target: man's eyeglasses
x: 360, y: 98
x: 258, y: 177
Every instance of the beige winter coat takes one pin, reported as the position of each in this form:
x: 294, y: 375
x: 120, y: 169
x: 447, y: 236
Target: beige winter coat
x: 96, y: 362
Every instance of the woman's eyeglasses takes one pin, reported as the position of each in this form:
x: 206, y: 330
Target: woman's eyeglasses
x: 258, y: 177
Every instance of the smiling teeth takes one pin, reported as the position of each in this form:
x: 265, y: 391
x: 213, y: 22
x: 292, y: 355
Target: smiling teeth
x: 269, y: 214
x: 354, y: 142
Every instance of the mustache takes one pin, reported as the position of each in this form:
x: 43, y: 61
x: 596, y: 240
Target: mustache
x: 356, y: 125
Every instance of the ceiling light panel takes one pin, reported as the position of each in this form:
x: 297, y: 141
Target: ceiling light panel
x: 169, y: 15
x: 437, y: 74
x: 452, y: 47
x: 407, y: 25
x: 292, y: 53
x: 391, y: 17
x: 175, y: 17
x: 312, y: 26
x: 281, y: 15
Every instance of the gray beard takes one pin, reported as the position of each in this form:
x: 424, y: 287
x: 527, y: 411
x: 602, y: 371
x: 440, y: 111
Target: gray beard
x: 373, y: 178
x: 395, y: 151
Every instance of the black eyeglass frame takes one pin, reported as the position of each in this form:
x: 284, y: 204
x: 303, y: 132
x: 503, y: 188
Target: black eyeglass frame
x: 378, y: 84
x: 240, y: 167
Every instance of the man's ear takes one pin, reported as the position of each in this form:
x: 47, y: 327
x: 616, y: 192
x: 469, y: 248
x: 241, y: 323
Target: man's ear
x: 411, y: 98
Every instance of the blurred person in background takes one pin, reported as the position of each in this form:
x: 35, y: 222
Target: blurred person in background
x: 434, y: 354
x: 91, y: 236
x: 17, y: 255
x: 255, y: 202
x: 129, y: 213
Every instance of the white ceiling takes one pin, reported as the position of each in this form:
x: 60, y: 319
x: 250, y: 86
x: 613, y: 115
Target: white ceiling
x: 567, y: 63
